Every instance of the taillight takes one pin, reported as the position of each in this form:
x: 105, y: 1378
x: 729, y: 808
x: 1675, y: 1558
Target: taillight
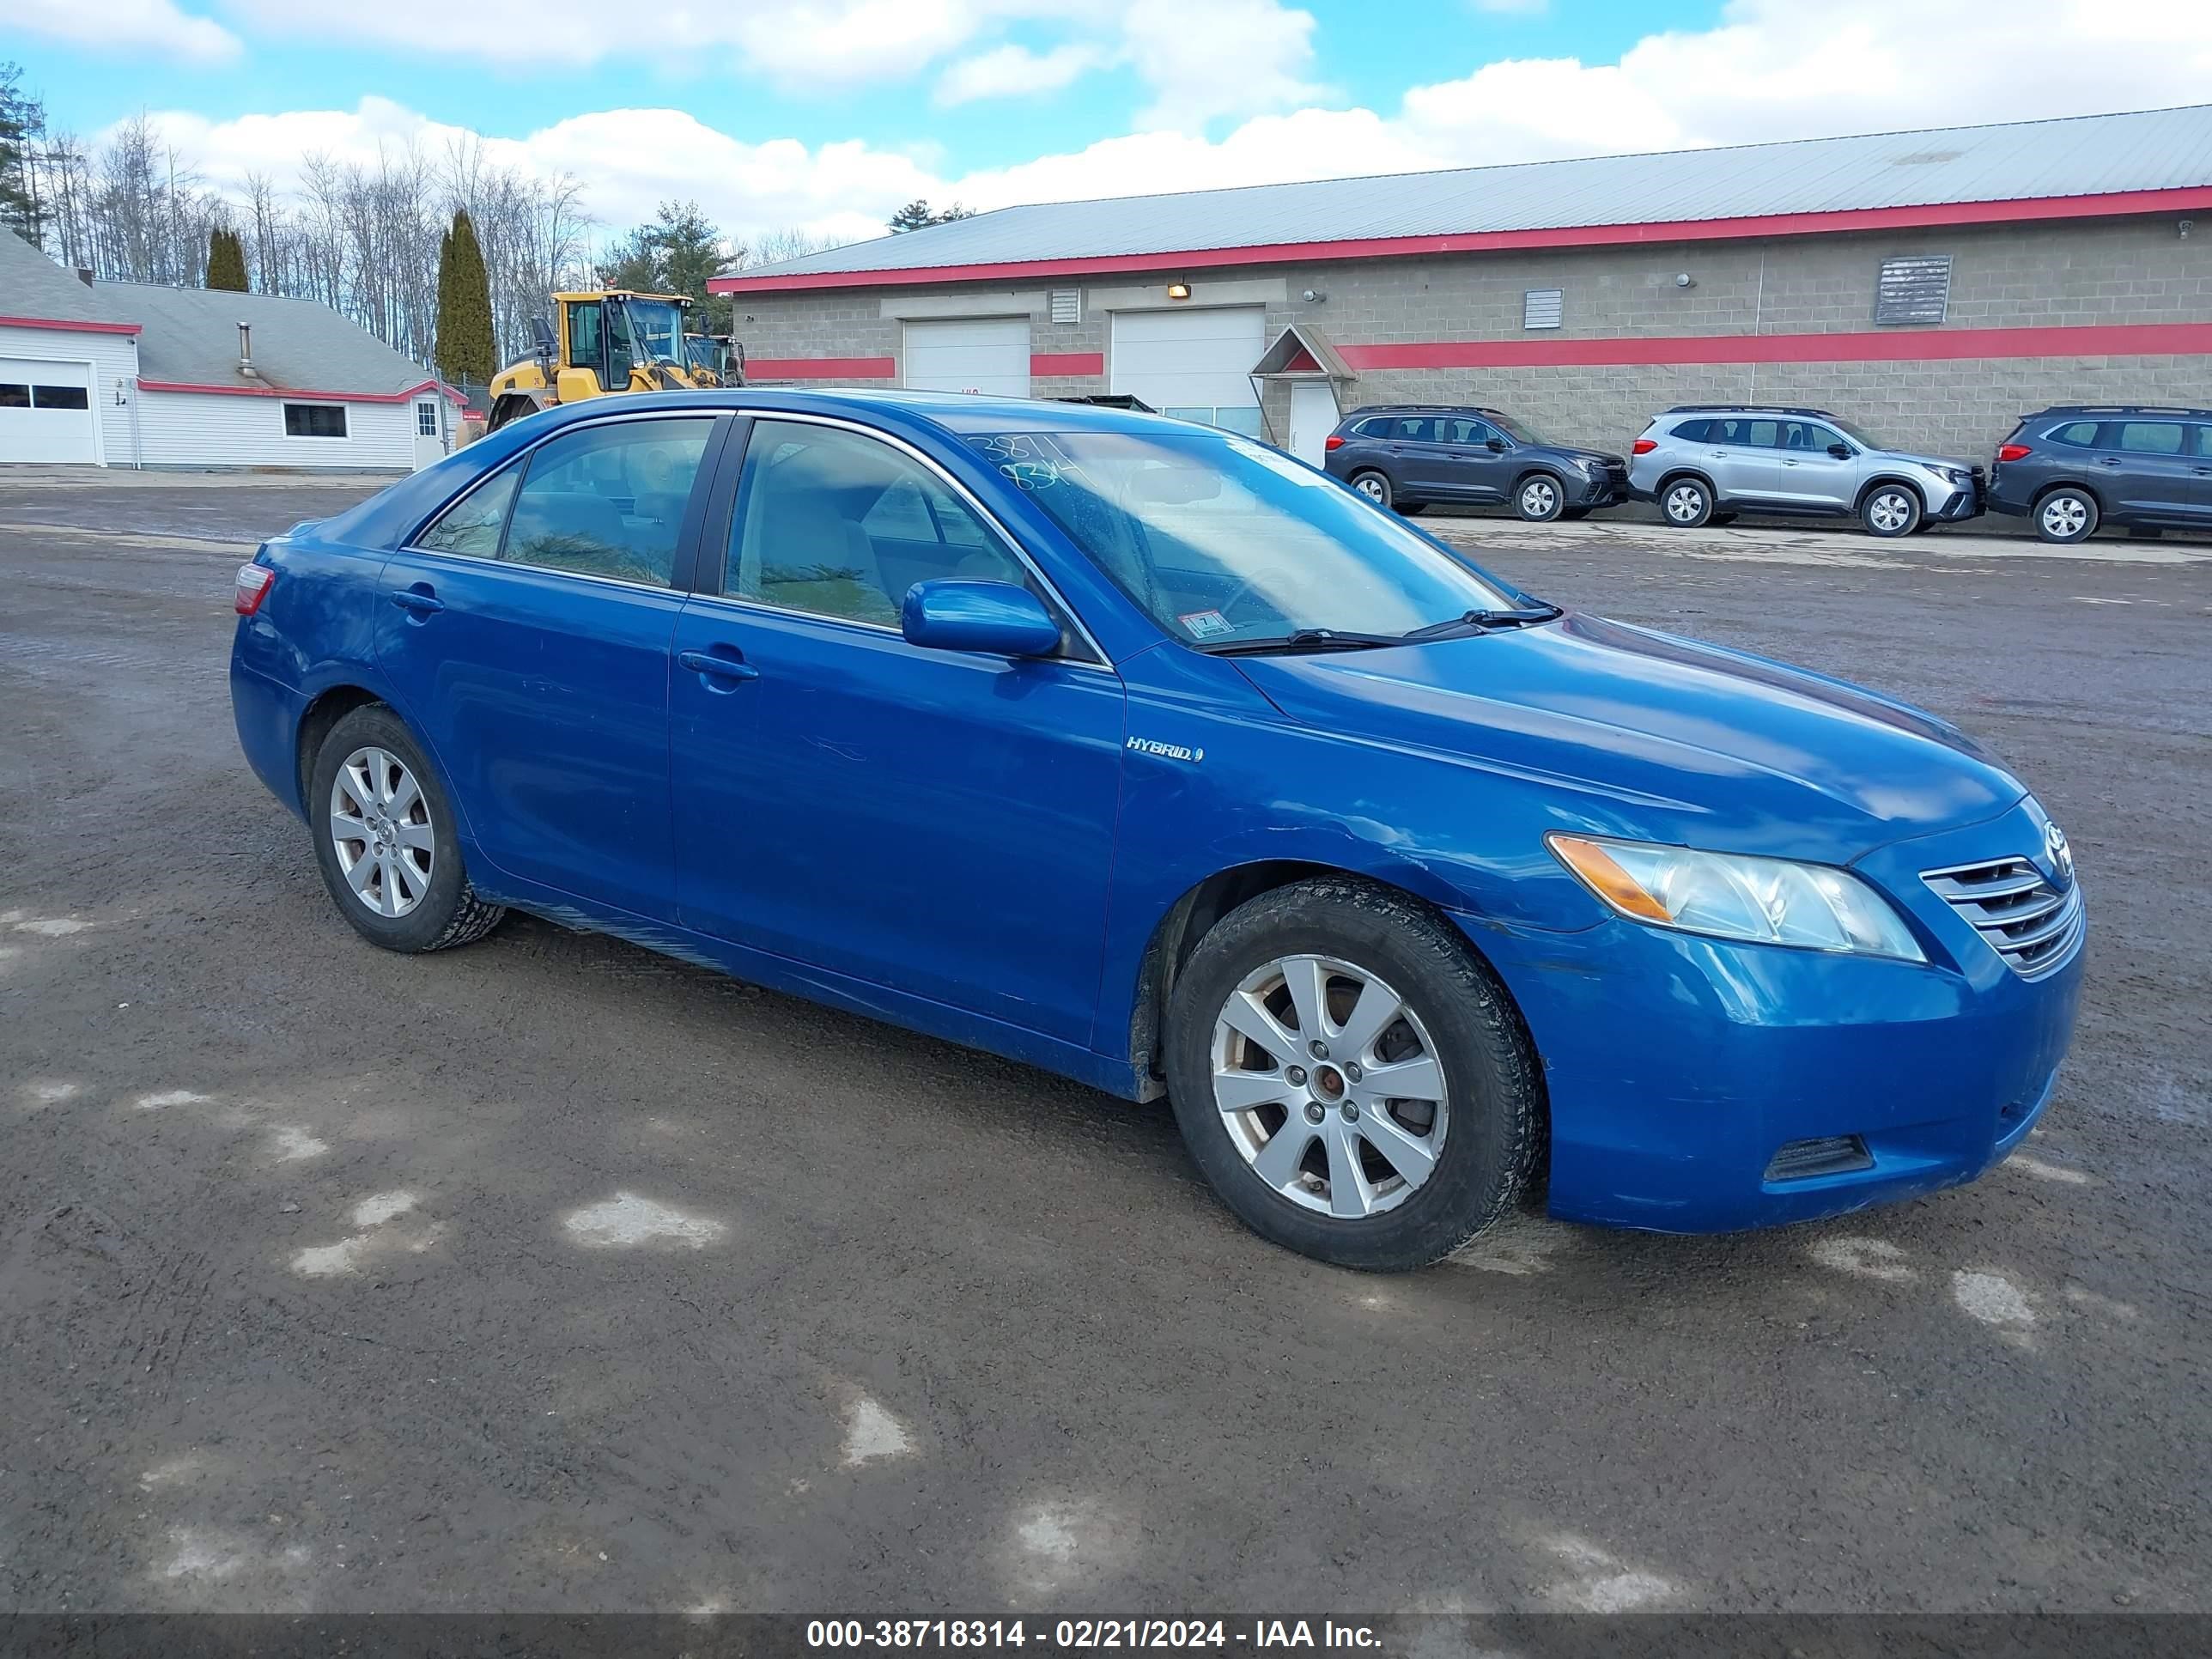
x: 2013, y: 451
x: 1335, y: 442
x: 254, y: 581
x: 1643, y: 446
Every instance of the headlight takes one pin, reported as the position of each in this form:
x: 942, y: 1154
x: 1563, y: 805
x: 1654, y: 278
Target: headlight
x: 1954, y: 475
x: 1769, y: 901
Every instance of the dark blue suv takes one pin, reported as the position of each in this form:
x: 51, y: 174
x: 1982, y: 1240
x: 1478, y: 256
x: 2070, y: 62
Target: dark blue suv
x: 2079, y: 466
x: 1410, y: 456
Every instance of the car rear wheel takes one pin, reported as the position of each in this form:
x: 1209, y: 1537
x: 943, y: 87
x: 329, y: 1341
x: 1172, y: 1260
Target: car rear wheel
x: 1351, y: 1077
x: 2066, y: 516
x: 1686, y: 503
x: 1539, y: 498
x: 384, y: 840
x: 1374, y: 486
x: 1890, y: 511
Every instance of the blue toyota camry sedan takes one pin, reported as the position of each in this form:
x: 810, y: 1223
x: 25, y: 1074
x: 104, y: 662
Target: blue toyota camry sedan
x: 1142, y: 752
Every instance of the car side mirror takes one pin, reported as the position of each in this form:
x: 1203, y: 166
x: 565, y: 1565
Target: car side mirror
x: 998, y: 618
x: 1498, y: 445
x: 1841, y: 451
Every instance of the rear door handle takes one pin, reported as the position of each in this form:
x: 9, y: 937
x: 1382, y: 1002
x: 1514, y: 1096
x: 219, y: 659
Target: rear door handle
x: 720, y: 667
x: 419, y: 600
x: 2108, y: 461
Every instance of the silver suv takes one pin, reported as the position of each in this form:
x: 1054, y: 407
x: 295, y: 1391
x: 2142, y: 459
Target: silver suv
x: 1705, y: 462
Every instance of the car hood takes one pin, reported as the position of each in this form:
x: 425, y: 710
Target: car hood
x: 1650, y: 735
x: 1567, y: 451
x: 1920, y: 460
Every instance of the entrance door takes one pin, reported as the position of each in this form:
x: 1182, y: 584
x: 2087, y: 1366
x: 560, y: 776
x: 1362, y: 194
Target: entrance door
x: 429, y: 433
x: 46, y: 411
x: 1313, y: 418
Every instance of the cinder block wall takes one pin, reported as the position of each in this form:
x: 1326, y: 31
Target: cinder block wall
x: 2071, y: 274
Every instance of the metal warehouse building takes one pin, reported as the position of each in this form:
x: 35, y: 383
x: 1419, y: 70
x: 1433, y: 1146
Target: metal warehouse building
x: 1931, y: 285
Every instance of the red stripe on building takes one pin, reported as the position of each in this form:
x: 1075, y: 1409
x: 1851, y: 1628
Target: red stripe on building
x: 820, y: 368
x: 1067, y: 362
x: 301, y: 393
x: 2190, y: 198
x: 1921, y: 345
x: 71, y: 326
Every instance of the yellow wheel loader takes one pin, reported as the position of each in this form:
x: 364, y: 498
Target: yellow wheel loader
x: 601, y: 342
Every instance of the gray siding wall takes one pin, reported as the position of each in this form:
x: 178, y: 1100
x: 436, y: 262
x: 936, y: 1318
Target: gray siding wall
x: 2069, y: 274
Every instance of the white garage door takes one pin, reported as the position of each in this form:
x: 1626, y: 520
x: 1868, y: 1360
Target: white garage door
x: 46, y: 411
x: 969, y: 353
x: 1196, y: 365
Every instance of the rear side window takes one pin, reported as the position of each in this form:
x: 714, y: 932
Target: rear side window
x: 2203, y: 439
x: 2151, y: 437
x: 2082, y: 434
x: 473, y: 524
x: 1467, y: 432
x: 609, y: 499
x: 1694, y: 432
x: 1412, y: 429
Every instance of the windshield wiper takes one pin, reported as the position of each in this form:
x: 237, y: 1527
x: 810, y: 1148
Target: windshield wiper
x: 1305, y: 639
x: 1482, y: 621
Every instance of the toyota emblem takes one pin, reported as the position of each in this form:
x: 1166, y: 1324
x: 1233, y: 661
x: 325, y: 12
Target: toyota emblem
x: 2060, y: 854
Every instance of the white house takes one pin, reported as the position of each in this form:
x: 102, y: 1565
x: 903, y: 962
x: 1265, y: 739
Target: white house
x: 133, y: 375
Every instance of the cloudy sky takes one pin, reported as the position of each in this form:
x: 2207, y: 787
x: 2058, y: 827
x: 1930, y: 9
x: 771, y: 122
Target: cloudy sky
x: 826, y: 114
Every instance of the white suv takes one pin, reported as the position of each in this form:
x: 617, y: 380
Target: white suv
x: 1705, y: 462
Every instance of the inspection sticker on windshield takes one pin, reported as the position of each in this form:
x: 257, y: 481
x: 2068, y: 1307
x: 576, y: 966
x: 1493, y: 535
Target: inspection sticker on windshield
x: 1206, y: 624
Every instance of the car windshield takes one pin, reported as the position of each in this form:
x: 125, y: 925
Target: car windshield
x: 660, y: 327
x: 1519, y: 430
x: 1222, y: 540
x: 1857, y: 434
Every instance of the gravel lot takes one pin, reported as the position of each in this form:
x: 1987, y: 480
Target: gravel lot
x: 553, y: 1275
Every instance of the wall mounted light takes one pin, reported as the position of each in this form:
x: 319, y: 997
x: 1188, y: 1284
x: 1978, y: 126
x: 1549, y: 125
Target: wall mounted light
x: 1312, y: 296
x: 1685, y: 280
x: 2186, y: 227
x: 1178, y: 290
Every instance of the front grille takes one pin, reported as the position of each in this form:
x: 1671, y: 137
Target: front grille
x: 2027, y: 919
x: 1616, y: 472
x: 1801, y: 1160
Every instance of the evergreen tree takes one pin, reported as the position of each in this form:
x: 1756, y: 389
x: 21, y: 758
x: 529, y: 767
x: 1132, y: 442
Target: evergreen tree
x: 226, y: 261
x: 467, y: 351
x: 22, y: 118
x: 917, y: 215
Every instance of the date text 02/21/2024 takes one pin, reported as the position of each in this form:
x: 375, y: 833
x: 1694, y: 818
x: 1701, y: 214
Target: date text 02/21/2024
x: 1085, y: 1634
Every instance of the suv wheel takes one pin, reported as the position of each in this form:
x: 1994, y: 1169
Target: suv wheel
x: 383, y: 837
x: 1686, y: 503
x: 1351, y: 1077
x: 1889, y: 511
x: 1539, y: 499
x: 1374, y: 486
x: 2066, y: 516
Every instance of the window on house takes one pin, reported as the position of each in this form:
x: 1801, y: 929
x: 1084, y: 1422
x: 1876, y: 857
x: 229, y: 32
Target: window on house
x: 314, y: 420
x: 1543, y: 308
x: 1913, y: 289
x: 426, y: 420
x: 14, y: 394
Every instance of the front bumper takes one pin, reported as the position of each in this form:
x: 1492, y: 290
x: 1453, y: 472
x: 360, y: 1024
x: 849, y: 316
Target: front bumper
x: 1604, y: 491
x: 1965, y: 502
x: 1677, y: 1067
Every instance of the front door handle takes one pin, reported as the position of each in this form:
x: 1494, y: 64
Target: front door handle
x: 419, y: 600
x: 2108, y: 461
x: 720, y: 667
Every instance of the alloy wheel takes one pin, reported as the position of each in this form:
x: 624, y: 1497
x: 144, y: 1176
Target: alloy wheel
x: 1890, y: 511
x: 1539, y: 498
x: 1685, y: 502
x: 1329, y: 1085
x: 380, y: 826
x: 1372, y: 486
x: 2065, y: 517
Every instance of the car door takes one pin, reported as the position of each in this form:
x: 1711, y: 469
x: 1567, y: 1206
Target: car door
x: 2200, y: 497
x: 2153, y: 479
x: 940, y: 823
x: 1748, y: 466
x: 1819, y: 468
x: 1479, y: 472
x: 527, y: 638
x: 1423, y: 464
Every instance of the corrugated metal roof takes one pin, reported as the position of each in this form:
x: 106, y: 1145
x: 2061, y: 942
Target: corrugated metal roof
x: 192, y: 338
x: 2082, y: 156
x: 32, y: 285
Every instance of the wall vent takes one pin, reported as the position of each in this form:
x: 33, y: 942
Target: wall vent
x: 1542, y: 307
x: 1917, y: 289
x: 1067, y: 305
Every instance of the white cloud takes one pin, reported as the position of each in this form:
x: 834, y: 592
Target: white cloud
x: 1769, y: 69
x: 150, y: 25
x: 1016, y: 71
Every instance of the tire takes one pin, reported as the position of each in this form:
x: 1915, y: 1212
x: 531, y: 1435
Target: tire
x: 1686, y: 503
x: 1890, y: 510
x: 2066, y: 516
x: 1539, y: 497
x: 1375, y: 486
x: 1483, y: 1131
x: 437, y: 908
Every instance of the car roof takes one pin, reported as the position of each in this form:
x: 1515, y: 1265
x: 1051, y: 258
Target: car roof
x: 958, y: 412
x: 1365, y: 410
x: 1750, y: 409
x: 2121, y: 409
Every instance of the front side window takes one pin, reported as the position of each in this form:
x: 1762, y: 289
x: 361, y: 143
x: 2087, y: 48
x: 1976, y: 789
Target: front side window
x: 2203, y: 439
x: 1219, y: 539
x: 314, y: 420
x: 586, y: 347
x: 838, y: 524
x: 2151, y: 437
x: 1807, y: 436
x: 1468, y: 432
x: 608, y: 500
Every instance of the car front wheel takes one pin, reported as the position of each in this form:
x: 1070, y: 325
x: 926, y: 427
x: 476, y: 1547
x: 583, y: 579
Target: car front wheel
x: 1686, y: 503
x: 1374, y: 486
x: 1890, y: 511
x: 384, y: 840
x: 2066, y: 516
x: 1351, y: 1077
